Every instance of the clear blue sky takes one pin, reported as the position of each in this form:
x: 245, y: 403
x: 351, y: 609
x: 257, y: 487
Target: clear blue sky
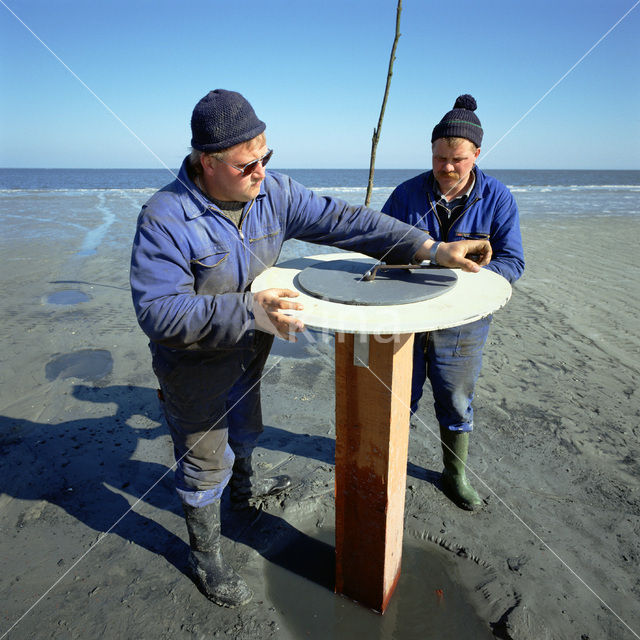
x: 314, y: 71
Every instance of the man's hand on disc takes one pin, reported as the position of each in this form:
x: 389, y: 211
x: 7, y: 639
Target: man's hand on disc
x: 468, y: 255
x: 268, y: 306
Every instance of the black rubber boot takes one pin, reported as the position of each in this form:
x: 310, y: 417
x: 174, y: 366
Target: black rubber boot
x: 455, y: 447
x: 244, y: 486
x: 214, y: 577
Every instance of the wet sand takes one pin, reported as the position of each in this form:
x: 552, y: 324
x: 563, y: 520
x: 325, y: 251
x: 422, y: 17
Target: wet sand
x: 93, y: 542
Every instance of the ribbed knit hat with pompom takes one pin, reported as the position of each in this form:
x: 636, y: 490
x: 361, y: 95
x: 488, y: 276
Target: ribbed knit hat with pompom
x: 223, y: 119
x: 460, y: 122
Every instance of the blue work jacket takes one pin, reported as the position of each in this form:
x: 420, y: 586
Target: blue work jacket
x: 490, y: 213
x: 192, y: 267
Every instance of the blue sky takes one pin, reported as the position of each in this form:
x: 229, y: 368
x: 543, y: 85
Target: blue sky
x: 314, y: 71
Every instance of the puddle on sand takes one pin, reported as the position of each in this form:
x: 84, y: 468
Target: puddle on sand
x: 67, y: 297
x: 429, y: 602
x: 87, y: 364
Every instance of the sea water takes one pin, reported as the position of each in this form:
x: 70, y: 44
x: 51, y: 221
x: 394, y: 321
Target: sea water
x: 81, y: 208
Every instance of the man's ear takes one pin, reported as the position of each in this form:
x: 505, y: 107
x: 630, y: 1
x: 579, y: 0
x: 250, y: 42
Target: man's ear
x: 207, y: 163
x: 477, y: 153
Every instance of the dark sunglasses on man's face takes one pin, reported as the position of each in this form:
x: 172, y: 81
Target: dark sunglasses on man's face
x: 250, y: 167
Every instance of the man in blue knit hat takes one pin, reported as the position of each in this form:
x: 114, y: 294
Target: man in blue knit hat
x: 199, y: 244
x: 456, y: 201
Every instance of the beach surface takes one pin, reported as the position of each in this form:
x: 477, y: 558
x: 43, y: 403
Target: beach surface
x: 92, y: 538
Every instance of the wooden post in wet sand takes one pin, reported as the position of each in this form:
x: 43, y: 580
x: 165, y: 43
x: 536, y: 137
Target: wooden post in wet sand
x: 373, y: 389
x: 374, y: 352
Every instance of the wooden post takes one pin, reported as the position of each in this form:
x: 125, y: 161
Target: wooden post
x: 372, y: 435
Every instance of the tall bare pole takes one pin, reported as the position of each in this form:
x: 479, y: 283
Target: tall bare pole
x: 376, y: 131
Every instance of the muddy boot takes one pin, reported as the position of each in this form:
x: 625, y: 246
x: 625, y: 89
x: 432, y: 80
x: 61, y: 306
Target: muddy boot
x: 455, y: 446
x: 214, y: 577
x: 244, y: 486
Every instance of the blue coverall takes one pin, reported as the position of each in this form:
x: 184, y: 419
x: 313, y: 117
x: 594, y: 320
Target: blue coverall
x: 452, y: 358
x: 191, y: 271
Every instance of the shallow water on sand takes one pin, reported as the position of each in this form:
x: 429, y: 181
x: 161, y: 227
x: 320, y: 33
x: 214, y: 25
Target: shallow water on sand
x: 67, y: 297
x: 429, y: 601
x: 85, y: 364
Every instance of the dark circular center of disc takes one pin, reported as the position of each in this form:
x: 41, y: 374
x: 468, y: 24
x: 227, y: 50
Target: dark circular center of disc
x: 342, y: 281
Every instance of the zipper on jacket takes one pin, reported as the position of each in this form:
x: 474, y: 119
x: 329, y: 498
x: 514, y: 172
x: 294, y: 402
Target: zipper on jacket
x: 247, y: 249
x: 437, y: 215
x: 243, y: 218
x: 239, y: 225
x: 462, y: 213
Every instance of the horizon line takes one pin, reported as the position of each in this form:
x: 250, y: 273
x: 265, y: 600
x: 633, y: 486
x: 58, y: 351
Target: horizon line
x: 278, y: 169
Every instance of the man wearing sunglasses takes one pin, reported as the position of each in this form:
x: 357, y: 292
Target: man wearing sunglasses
x: 200, y: 243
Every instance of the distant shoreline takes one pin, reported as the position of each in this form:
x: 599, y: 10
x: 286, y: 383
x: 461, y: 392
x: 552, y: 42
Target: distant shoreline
x: 284, y: 170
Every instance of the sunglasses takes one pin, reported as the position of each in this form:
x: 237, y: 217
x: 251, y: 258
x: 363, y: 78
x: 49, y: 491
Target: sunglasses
x: 250, y: 167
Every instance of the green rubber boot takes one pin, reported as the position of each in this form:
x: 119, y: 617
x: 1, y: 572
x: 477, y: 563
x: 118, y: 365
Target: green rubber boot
x: 215, y: 578
x: 455, y: 447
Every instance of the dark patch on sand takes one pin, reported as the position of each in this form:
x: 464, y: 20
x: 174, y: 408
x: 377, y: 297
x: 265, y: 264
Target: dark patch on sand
x: 68, y: 297
x: 86, y: 364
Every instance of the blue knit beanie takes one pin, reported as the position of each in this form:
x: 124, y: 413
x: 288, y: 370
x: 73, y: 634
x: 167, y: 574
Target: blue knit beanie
x: 461, y: 122
x: 223, y: 119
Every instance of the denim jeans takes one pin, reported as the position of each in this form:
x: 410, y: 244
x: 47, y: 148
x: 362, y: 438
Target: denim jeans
x: 211, y: 402
x: 451, y: 359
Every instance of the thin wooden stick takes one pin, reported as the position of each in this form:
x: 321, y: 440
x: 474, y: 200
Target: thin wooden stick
x: 376, y: 131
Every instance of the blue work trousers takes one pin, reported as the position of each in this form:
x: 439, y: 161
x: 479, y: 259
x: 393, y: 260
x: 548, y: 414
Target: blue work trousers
x: 211, y: 402
x: 451, y: 359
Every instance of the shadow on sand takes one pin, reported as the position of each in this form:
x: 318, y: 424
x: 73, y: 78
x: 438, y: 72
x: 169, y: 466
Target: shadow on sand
x: 84, y: 466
